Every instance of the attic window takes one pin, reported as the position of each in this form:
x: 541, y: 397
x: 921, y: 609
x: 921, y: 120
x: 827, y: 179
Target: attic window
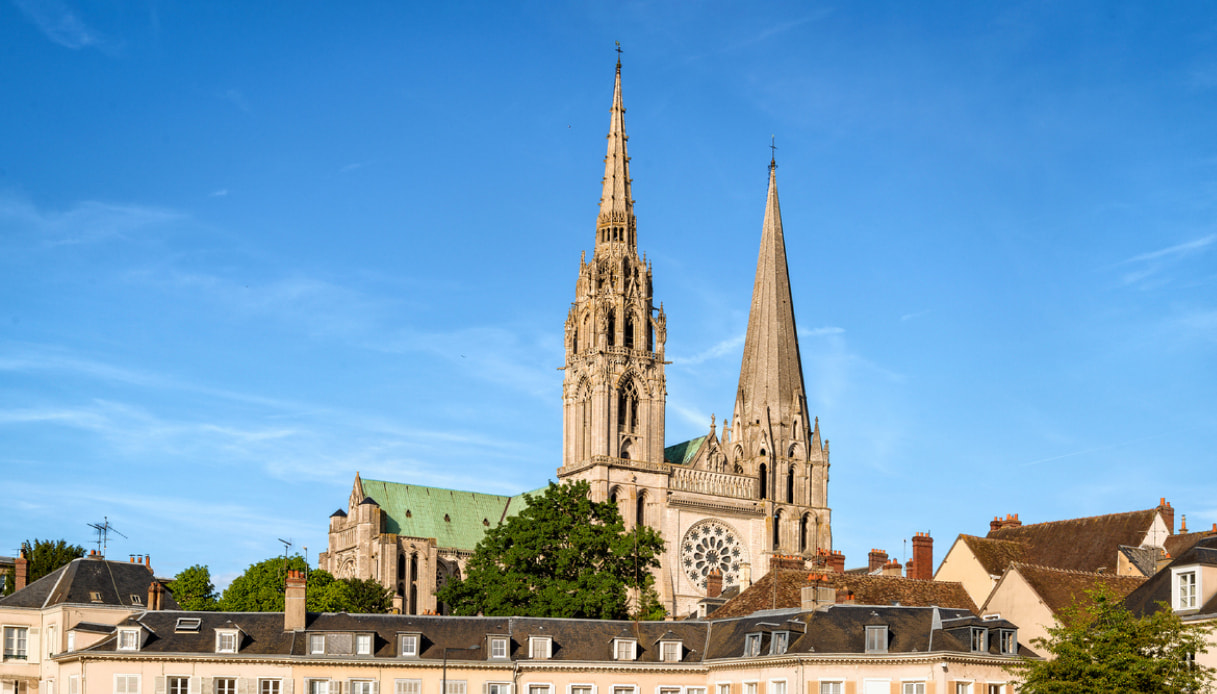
x: 128, y: 639
x: 95, y: 595
x: 669, y: 651
x: 408, y: 514
x: 876, y: 639
x: 447, y: 518
x: 625, y: 649
x: 980, y: 639
x: 486, y: 522
x: 187, y: 624
x: 780, y: 641
x: 1009, y: 641
x: 752, y: 645
x: 226, y: 640
x: 136, y: 600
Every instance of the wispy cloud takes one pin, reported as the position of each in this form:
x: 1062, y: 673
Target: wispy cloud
x: 726, y: 347
x: 822, y: 332
x: 222, y: 192
x: 1148, y: 265
x: 60, y: 24
x: 236, y: 98
x: 85, y: 222
x: 910, y: 316
x: 352, y: 166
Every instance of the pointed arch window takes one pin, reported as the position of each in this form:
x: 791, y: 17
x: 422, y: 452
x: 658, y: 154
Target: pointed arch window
x: 777, y: 530
x: 612, y: 328
x: 629, y: 330
x: 640, y: 509
x: 627, y: 408
x: 790, y: 485
x: 804, y: 525
x: 764, y: 481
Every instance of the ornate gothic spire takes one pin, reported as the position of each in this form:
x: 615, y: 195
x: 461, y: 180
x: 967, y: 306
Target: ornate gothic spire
x: 616, y: 221
x: 771, y: 377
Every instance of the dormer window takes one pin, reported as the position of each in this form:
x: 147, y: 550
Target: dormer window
x: 316, y: 644
x: 752, y: 645
x: 498, y: 647
x: 187, y: 625
x: 226, y: 640
x: 363, y: 644
x: 1008, y: 638
x: 136, y: 599
x: 876, y: 639
x: 625, y: 649
x: 540, y: 647
x: 670, y: 651
x: 980, y: 639
x: 779, y: 642
x: 95, y: 596
x: 1185, y: 588
x: 408, y: 645
x: 128, y: 639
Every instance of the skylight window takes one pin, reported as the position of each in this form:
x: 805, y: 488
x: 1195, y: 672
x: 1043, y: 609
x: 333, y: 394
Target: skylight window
x: 188, y: 624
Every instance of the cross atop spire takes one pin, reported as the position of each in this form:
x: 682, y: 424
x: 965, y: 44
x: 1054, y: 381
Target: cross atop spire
x: 773, y: 152
x: 616, y: 224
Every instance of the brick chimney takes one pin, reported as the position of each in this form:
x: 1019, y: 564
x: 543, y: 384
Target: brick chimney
x: 714, y: 584
x: 21, y: 571
x: 293, y: 601
x: 1010, y: 521
x: 1168, y: 514
x: 876, y: 560
x: 837, y: 560
x: 786, y: 562
x: 818, y: 593
x: 922, y: 564
x: 156, y: 593
x: 892, y: 568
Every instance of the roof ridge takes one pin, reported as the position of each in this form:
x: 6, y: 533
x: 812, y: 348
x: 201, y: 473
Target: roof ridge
x: 1070, y: 520
x: 446, y: 489
x: 1022, y: 564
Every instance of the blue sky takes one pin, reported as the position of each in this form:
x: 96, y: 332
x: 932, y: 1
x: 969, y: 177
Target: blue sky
x: 247, y: 249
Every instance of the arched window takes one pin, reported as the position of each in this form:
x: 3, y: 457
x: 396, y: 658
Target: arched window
x: 627, y: 407
x: 764, y: 482
x: 804, y: 525
x: 629, y: 330
x: 777, y: 530
x: 612, y: 328
x: 413, y: 599
x: 790, y: 485
x: 401, y: 568
x: 640, y: 509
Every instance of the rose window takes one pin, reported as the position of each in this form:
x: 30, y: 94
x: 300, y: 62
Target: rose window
x: 712, y: 544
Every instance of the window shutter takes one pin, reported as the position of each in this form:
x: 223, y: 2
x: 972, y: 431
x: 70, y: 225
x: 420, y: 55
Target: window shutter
x: 375, y: 686
x: 335, y: 687
x: 929, y: 687
x: 160, y: 684
x: 195, y: 685
x: 33, y: 647
x: 289, y: 685
x: 895, y: 689
x: 243, y: 685
x: 207, y: 685
x: 851, y: 688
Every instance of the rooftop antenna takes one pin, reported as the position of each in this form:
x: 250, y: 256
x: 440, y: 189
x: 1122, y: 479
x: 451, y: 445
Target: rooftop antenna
x: 287, y: 544
x: 103, y: 534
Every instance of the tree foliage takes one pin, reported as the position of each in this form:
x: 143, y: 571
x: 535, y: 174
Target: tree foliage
x: 261, y: 589
x: 44, y: 556
x: 562, y: 556
x: 193, y: 589
x: 1099, y: 646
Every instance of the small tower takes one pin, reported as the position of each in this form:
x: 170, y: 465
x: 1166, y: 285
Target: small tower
x: 614, y: 390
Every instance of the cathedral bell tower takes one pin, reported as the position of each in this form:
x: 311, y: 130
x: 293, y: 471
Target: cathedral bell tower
x: 614, y: 391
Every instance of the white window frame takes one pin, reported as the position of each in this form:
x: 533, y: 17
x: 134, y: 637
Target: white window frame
x: 838, y: 685
x: 71, y: 640
x: 695, y: 690
x: 51, y: 643
x: 1180, y: 600
x: 128, y: 679
x: 186, y: 678
x: 15, y: 654
x: 667, y: 689
x: 547, y: 642
x: 632, y: 643
x: 570, y: 688
x: 364, y: 639
x: 405, y: 685
x: 773, y: 688
x: 498, y: 643
x: 979, y: 636
x: 496, y: 687
x: 912, y: 687
x: 457, y: 687
x: 722, y: 688
x: 123, y: 635
x: 403, y: 640
x: 324, y: 683
x: 620, y: 688
x: 752, y: 645
x: 989, y: 688
x: 543, y: 687
x: 73, y: 684
x: 215, y: 685
x: 1012, y: 636
x: 314, y: 639
x: 878, y: 633
x: 779, y: 636
x: 677, y: 651
x: 50, y: 686
x: 962, y: 688
x: 369, y: 686
x: 751, y: 686
x: 276, y: 681
x: 221, y: 634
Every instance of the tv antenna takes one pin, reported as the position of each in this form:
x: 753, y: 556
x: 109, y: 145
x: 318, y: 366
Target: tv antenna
x: 103, y: 534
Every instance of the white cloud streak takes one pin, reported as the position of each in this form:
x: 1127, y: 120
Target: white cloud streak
x: 60, y: 24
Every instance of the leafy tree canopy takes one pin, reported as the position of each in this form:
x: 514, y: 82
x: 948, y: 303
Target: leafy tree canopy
x: 562, y: 556
x: 261, y: 589
x: 1100, y: 647
x: 44, y: 556
x: 193, y: 589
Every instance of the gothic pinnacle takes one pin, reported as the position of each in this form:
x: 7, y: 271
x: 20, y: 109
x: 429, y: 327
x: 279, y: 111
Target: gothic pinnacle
x: 615, y: 223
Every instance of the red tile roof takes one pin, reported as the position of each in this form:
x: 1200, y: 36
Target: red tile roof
x: 1079, y: 544
x: 867, y: 590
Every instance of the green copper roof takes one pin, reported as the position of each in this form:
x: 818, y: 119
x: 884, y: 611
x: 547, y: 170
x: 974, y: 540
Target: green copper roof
x: 455, y: 519
x: 681, y: 453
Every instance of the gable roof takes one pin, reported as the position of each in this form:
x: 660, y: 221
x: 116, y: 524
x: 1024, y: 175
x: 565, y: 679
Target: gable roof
x: 1060, y: 588
x: 682, y: 453
x: 994, y: 555
x: 1146, y: 599
x: 1176, y: 545
x: 115, y: 582
x: 1079, y: 544
x: 456, y: 519
x: 867, y: 590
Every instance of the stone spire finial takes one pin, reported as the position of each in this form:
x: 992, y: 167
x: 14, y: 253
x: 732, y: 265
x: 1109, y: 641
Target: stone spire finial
x: 771, y: 376
x: 616, y: 221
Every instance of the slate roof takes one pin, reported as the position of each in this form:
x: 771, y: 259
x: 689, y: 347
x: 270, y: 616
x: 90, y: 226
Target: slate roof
x: 1180, y: 543
x: 683, y: 452
x: 117, y: 582
x: 837, y: 629
x: 1059, y: 588
x: 867, y: 590
x: 1144, y: 558
x: 417, y: 511
x: 1079, y: 544
x: 1144, y: 600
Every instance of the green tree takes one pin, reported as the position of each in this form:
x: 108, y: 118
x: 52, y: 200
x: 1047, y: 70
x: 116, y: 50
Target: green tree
x: 367, y: 596
x: 193, y: 589
x: 1099, y: 646
x: 44, y: 556
x: 562, y: 556
x: 261, y: 588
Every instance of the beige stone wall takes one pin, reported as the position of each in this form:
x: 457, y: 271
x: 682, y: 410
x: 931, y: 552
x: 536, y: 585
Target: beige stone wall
x: 961, y: 566
x: 1014, y: 600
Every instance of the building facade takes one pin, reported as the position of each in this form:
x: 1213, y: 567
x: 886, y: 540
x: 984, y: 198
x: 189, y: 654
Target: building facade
x: 722, y: 503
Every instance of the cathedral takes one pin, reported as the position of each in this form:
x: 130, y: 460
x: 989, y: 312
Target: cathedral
x: 724, y: 503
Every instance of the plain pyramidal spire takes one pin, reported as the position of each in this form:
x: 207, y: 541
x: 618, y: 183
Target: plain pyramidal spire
x: 771, y: 376
x: 615, y: 223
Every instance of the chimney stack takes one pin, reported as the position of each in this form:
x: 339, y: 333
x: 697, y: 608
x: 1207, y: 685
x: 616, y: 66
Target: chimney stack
x: 1010, y: 521
x: 156, y: 594
x: 877, y: 559
x: 1168, y: 514
x: 21, y: 571
x: 293, y: 601
x: 819, y: 593
x: 923, y: 557
x: 892, y: 568
x: 714, y: 584
x: 837, y: 560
